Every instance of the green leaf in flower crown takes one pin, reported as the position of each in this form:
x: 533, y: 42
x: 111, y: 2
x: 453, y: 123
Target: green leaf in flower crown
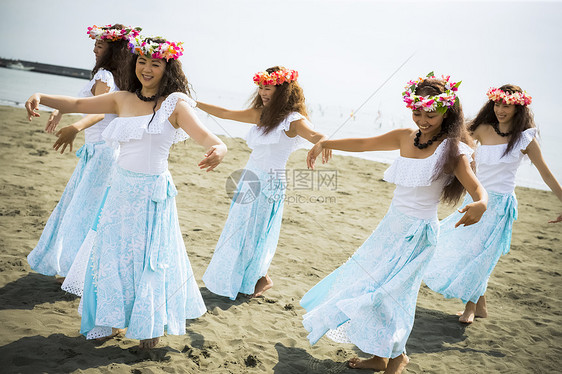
x: 431, y: 74
x: 458, y: 84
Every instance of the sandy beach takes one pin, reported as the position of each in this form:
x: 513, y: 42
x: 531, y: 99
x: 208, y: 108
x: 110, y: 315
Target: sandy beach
x: 323, y: 225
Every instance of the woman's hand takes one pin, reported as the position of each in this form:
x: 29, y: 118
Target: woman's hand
x: 472, y: 213
x: 313, y: 154
x: 326, y: 155
x: 66, y: 137
x: 32, y: 104
x: 53, y: 121
x: 213, y: 157
x: 559, y: 219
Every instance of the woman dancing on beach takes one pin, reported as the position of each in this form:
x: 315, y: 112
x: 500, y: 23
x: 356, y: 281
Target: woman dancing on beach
x: 138, y: 275
x: 74, y: 214
x: 370, y: 300
x: 465, y: 257
x: 249, y: 239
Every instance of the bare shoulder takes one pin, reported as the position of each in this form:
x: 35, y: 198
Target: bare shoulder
x: 398, y: 137
x: 299, y: 123
x: 123, y: 94
x: 123, y: 98
x: 405, y: 132
x: 183, y: 107
x: 481, y: 132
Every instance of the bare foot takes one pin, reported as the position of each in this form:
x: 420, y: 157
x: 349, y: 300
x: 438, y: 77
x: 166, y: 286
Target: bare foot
x: 263, y: 284
x: 468, y: 315
x: 148, y: 343
x: 60, y: 280
x: 481, y: 309
x: 374, y: 363
x: 396, y: 365
x: 114, y: 333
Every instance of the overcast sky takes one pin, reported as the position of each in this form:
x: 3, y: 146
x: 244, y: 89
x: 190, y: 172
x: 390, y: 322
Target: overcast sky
x: 343, y: 50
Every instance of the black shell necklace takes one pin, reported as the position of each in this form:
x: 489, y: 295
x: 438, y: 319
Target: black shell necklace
x: 429, y: 142
x: 145, y: 98
x: 497, y: 129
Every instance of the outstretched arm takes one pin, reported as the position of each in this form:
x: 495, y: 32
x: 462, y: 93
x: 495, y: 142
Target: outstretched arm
x: 66, y: 104
x: 184, y: 116
x: 99, y: 88
x: 534, y: 152
x: 301, y: 128
x: 248, y: 115
x: 473, y: 211
x: 386, y: 142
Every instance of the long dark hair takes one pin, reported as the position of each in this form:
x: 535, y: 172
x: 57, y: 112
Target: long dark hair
x: 116, y: 60
x: 455, y: 131
x: 522, y: 119
x: 287, y: 98
x: 173, y: 80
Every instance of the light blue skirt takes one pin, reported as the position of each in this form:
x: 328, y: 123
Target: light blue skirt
x: 249, y: 238
x: 138, y: 275
x: 466, y: 256
x: 75, y: 213
x: 371, y: 299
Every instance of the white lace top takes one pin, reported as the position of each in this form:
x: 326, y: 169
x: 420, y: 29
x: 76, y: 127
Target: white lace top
x: 271, y: 151
x: 93, y: 133
x: 497, y: 172
x: 416, y: 194
x: 144, y: 147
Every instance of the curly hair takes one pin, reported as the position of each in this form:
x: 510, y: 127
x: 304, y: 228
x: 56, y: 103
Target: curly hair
x: 522, y: 119
x: 116, y: 60
x: 287, y: 98
x: 455, y: 130
x: 173, y: 80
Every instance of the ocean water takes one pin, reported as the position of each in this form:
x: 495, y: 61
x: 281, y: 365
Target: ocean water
x: 336, y: 121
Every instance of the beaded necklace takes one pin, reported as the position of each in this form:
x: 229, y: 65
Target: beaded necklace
x: 429, y: 142
x: 144, y: 98
x: 497, y: 129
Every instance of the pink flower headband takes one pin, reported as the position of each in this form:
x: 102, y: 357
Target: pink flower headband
x: 145, y: 46
x: 108, y: 34
x: 439, y: 103
x: 263, y: 78
x: 517, y: 98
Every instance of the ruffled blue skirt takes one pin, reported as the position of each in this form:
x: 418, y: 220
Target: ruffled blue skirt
x: 371, y: 299
x: 138, y: 275
x: 249, y: 238
x: 74, y: 215
x: 466, y: 256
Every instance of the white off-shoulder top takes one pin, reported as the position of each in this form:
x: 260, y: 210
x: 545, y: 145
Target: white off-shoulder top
x: 144, y: 147
x: 416, y: 194
x: 497, y: 172
x: 271, y: 151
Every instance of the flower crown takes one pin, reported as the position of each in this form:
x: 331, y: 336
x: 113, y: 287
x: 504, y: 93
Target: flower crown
x: 263, y: 78
x: 517, y: 98
x: 439, y: 103
x: 146, y: 46
x: 108, y: 34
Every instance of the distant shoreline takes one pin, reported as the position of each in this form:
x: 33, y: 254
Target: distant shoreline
x: 39, y: 67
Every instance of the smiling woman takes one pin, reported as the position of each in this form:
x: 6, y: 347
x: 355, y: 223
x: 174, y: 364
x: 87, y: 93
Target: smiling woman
x: 145, y: 286
x: 370, y: 300
x: 249, y: 238
x: 149, y: 72
x: 75, y: 213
